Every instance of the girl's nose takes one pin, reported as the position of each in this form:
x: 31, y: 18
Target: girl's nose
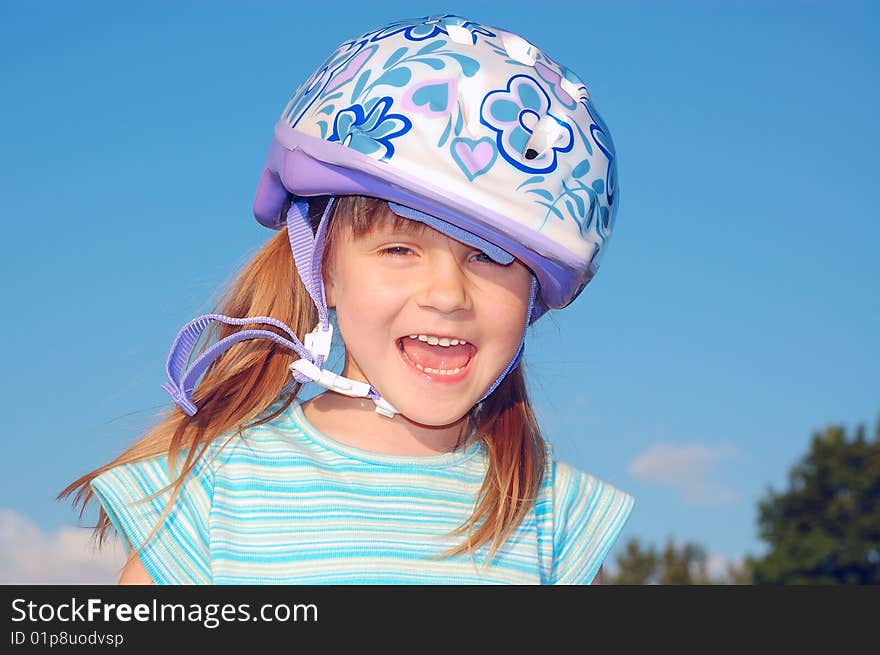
x: 444, y: 285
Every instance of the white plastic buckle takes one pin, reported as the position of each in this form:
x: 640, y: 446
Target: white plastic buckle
x: 330, y: 380
x: 385, y: 408
x: 318, y: 341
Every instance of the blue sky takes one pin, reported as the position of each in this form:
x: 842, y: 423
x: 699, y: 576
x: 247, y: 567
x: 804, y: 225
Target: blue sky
x: 737, y: 307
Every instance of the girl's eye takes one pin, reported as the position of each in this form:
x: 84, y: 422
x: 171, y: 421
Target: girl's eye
x: 395, y: 250
x: 401, y: 251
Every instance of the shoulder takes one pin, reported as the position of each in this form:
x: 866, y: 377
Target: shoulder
x: 588, y: 517
x: 572, y: 485
x: 581, y: 500
x: 172, y: 538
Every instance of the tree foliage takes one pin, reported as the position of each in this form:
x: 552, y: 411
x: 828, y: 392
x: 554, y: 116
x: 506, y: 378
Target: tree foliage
x: 825, y: 528
x: 684, y: 564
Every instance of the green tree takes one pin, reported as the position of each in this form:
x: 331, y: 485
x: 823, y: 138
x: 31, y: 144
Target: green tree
x: 825, y: 528
x: 738, y: 574
x: 634, y: 566
x: 684, y: 564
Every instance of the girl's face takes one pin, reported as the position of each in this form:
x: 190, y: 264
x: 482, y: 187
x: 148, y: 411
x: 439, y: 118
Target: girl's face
x: 414, y: 280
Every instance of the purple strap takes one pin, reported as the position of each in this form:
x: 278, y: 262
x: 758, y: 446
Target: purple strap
x: 307, y: 249
x: 182, y: 382
x: 306, y: 252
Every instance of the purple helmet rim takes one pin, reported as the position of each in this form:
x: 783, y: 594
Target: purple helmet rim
x: 305, y: 166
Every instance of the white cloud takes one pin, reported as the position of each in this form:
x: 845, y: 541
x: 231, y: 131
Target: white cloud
x: 689, y: 469
x: 66, y: 556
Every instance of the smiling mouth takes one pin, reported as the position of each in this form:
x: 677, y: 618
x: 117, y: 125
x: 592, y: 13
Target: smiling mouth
x: 432, y: 360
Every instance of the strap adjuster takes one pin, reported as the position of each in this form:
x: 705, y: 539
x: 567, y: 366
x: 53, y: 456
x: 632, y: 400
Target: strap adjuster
x: 330, y: 380
x: 318, y: 341
x: 385, y: 408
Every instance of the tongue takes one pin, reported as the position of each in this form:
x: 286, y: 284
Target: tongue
x: 439, y: 357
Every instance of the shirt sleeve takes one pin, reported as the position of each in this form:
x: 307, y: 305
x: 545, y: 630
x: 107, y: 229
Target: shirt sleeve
x: 179, y: 552
x: 589, y: 515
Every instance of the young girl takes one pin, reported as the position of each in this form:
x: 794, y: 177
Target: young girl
x: 438, y: 185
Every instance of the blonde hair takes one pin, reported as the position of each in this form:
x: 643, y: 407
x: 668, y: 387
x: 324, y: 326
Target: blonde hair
x: 239, y: 387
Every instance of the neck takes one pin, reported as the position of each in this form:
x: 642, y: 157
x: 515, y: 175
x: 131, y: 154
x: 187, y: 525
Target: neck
x: 355, y: 422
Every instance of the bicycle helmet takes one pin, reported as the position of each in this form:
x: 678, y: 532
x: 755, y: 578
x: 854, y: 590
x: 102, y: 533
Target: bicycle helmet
x: 468, y: 128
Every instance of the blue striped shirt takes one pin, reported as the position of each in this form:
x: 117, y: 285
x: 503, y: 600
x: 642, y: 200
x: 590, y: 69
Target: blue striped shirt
x: 286, y: 504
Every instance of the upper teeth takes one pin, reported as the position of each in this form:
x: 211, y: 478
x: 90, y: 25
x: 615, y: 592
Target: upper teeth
x: 437, y: 341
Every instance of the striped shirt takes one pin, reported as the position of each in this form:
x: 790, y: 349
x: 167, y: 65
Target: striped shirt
x: 286, y: 504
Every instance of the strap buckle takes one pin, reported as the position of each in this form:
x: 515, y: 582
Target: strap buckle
x: 318, y: 341
x: 385, y: 408
x: 330, y: 380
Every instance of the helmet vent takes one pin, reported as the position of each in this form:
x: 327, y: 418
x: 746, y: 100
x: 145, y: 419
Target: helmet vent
x: 459, y: 34
x: 576, y: 91
x: 519, y: 49
x: 547, y: 133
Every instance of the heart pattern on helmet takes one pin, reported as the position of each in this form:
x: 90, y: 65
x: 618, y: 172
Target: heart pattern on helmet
x: 474, y: 156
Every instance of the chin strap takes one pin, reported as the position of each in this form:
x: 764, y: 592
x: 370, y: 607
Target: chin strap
x: 307, y: 250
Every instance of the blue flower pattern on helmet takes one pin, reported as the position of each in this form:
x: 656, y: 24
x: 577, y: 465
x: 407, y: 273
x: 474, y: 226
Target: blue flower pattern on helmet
x: 513, y: 114
x: 397, y: 71
x: 370, y: 130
